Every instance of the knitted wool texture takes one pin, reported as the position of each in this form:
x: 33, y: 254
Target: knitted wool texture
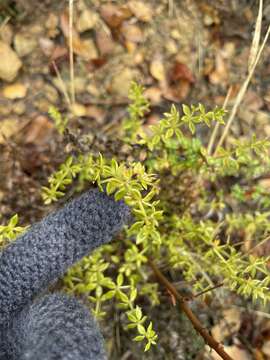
x: 38, y: 258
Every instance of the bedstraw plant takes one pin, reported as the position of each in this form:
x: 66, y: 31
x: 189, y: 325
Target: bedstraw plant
x: 198, y: 217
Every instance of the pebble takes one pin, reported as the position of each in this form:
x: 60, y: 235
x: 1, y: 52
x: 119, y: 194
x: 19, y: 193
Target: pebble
x: 51, y: 93
x: 157, y: 69
x: 10, y: 62
x: 19, y: 107
x: 121, y: 82
x: 86, y: 49
x: 87, y: 21
x: 8, y: 127
x: 15, y: 91
x: 141, y: 10
x: 78, y: 110
x: 24, y: 44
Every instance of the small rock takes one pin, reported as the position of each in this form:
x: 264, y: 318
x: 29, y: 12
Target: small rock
x: 171, y: 47
x: 81, y: 5
x: 24, y: 44
x: 141, y: 10
x: 86, y: 49
x: 121, y: 82
x: 87, y: 21
x: 5, y: 109
x: 157, y: 70
x: 93, y: 90
x: 51, y: 93
x: 19, y: 107
x: 15, y: 91
x: 154, y: 94
x: 47, y: 46
x: 9, y: 64
x: 51, y: 24
x: 132, y: 32
x: 175, y: 34
x: 42, y: 104
x: 79, y: 84
x: 8, y: 127
x: 78, y: 110
x: 96, y: 113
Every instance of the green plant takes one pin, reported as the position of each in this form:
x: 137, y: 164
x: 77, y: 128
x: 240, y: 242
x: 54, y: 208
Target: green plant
x: 10, y: 231
x: 179, y: 195
x: 60, y: 122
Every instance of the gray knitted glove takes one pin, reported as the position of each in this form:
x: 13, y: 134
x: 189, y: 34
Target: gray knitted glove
x: 44, y: 253
x: 56, y: 327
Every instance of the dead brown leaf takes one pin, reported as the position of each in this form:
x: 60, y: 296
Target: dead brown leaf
x: 114, y: 15
x: 105, y: 42
x: 39, y: 130
x: 180, y: 71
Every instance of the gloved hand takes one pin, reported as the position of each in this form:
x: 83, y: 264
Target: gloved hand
x: 55, y: 326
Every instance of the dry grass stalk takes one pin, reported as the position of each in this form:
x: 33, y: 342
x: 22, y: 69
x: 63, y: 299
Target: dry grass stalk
x: 71, y: 52
x: 217, y: 125
x: 255, y: 55
x: 62, y: 84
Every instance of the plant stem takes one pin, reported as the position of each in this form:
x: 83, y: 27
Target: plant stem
x: 215, y: 345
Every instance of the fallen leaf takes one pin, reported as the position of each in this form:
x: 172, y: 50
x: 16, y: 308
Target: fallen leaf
x: 58, y: 56
x: 220, y: 73
x: 176, y: 92
x: 39, y: 130
x: 180, y: 71
x: 105, y: 42
x: 64, y: 24
x: 114, y: 15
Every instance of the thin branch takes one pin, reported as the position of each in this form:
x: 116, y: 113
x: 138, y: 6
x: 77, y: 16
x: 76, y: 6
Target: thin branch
x: 215, y: 345
x: 207, y: 290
